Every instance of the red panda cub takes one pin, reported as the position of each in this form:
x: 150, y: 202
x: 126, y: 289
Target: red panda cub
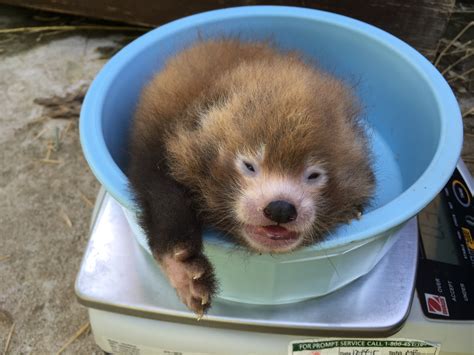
x: 252, y: 141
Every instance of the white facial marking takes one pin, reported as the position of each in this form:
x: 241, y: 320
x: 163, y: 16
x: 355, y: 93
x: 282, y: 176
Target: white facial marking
x: 263, y: 189
x: 260, y: 188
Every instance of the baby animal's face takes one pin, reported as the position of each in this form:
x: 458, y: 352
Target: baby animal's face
x: 277, y: 211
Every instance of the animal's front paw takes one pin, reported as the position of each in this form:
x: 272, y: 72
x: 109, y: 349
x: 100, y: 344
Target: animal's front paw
x: 356, y: 215
x: 192, y: 276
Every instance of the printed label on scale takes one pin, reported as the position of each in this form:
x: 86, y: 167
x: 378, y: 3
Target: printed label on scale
x: 363, y: 347
x: 118, y: 347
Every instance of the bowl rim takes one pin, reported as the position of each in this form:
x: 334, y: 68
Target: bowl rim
x: 375, y: 222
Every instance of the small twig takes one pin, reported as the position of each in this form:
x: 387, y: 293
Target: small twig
x: 461, y: 48
x: 39, y: 134
x: 40, y: 37
x: 86, y: 200
x: 9, y: 338
x: 443, y: 52
x: 65, y: 130
x: 81, y: 331
x: 34, y: 29
x: 50, y: 147
x: 448, y: 68
x: 468, y: 112
x: 51, y: 161
x: 444, y: 41
x: 463, y: 10
x: 66, y: 218
x: 5, y: 257
x: 6, y: 39
x: 461, y: 76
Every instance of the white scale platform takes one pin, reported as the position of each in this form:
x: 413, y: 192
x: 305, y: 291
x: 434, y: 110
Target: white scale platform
x: 133, y: 309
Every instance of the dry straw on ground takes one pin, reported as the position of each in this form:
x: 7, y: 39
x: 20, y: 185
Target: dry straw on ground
x: 9, y: 338
x: 69, y: 28
x: 452, y: 58
x: 82, y: 330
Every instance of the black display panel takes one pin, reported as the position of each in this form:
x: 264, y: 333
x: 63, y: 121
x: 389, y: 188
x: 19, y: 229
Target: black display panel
x: 445, y: 278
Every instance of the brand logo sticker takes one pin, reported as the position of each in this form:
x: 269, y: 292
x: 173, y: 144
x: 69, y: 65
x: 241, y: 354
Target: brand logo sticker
x: 436, y: 304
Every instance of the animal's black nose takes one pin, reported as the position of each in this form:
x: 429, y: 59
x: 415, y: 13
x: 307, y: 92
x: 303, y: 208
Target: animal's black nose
x: 280, y: 211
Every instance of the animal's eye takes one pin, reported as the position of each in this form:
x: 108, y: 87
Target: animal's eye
x: 249, y: 167
x: 314, y: 176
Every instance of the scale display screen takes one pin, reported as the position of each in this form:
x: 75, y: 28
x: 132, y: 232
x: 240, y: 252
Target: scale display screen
x: 445, y: 282
x: 437, y: 233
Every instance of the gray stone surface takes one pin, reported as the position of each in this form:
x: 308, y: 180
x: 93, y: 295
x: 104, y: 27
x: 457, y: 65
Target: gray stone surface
x: 40, y: 251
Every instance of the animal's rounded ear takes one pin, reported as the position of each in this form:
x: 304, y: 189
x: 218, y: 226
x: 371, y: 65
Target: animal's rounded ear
x: 350, y: 104
x: 184, y: 155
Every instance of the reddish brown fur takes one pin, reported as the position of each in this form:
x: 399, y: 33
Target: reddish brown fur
x: 260, y: 95
x: 222, y: 97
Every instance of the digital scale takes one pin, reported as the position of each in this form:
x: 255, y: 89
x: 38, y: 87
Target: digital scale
x: 133, y: 309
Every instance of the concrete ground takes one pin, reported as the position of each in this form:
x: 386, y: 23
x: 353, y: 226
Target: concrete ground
x: 45, y: 198
x: 46, y: 187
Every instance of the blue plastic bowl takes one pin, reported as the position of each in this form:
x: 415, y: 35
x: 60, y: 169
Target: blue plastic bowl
x: 414, y: 118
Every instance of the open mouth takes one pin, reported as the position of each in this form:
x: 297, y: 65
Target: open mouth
x: 272, y: 238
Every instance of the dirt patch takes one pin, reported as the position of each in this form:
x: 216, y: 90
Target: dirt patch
x: 46, y: 190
